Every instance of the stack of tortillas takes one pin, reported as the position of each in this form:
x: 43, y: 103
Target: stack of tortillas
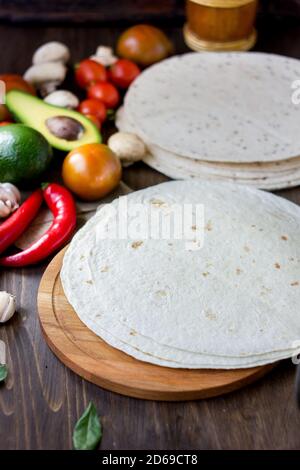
x: 219, y: 115
x: 233, y: 303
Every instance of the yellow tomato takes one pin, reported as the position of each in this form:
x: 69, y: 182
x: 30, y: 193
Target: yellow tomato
x: 91, y: 171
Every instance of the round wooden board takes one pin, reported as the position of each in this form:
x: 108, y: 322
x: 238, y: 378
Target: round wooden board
x: 90, y: 357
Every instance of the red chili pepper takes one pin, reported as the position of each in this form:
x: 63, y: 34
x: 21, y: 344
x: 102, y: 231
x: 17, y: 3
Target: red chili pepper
x: 16, y: 224
x: 62, y: 205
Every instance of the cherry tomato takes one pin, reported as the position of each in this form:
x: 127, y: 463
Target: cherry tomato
x: 94, y: 119
x: 94, y: 107
x: 91, y: 171
x: 123, y: 72
x: 5, y: 123
x: 16, y: 82
x: 105, y: 92
x: 88, y: 72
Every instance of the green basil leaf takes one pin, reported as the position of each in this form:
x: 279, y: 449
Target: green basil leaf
x: 3, y: 372
x: 87, y: 432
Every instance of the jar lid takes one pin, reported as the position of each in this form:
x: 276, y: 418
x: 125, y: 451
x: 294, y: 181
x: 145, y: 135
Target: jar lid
x: 223, y: 3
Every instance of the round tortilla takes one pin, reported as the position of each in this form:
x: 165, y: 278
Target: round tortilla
x: 259, y: 331
x: 229, y: 107
x: 160, y: 354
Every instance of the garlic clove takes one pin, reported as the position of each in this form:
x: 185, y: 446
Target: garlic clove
x: 2, y: 353
x: 12, y: 190
x: 9, y: 199
x: 7, y: 306
x: 4, y: 210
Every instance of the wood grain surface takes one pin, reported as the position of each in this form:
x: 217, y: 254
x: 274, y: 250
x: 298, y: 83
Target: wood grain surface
x: 42, y: 399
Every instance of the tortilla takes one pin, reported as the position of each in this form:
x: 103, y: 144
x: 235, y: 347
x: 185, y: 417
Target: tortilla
x: 255, y: 169
x: 264, y: 175
x: 229, y: 107
x: 183, y: 358
x: 270, y: 183
x: 221, y: 339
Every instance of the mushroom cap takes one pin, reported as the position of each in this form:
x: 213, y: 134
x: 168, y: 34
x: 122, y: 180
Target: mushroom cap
x: 63, y: 99
x: 46, y: 72
x: 53, y: 51
x: 127, y: 146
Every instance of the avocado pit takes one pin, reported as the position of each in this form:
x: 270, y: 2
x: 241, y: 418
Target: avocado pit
x: 64, y: 127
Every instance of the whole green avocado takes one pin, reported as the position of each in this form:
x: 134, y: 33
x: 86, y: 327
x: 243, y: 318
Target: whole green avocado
x: 24, y: 154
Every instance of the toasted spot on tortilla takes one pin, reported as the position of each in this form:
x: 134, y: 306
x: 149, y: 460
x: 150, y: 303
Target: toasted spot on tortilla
x: 277, y: 265
x: 157, y: 202
x: 238, y: 271
x: 194, y: 227
x: 284, y: 237
x: 295, y: 283
x: 136, y: 244
x: 210, y: 315
x: 133, y: 333
x: 161, y: 293
x: 208, y: 226
x: 89, y: 281
x: 205, y: 274
x: 104, y: 269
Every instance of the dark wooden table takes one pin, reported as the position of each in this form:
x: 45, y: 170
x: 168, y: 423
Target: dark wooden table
x: 42, y: 399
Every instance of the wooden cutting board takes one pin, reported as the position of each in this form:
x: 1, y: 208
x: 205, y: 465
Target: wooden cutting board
x: 90, y: 357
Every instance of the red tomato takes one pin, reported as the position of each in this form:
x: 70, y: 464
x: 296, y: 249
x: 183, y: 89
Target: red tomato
x: 88, y: 72
x: 93, y: 107
x: 16, y: 82
x: 105, y: 92
x: 5, y: 123
x: 123, y: 72
x: 94, y: 119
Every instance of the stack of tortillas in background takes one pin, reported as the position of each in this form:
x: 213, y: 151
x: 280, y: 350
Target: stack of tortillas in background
x: 227, y: 116
x: 234, y: 303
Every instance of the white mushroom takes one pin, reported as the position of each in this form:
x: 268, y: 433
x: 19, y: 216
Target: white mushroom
x: 128, y: 147
x: 104, y: 55
x: 46, y: 77
x: 53, y: 51
x: 9, y: 199
x: 7, y: 306
x: 63, y: 99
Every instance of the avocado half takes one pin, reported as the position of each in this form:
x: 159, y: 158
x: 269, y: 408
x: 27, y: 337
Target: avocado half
x: 64, y: 129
